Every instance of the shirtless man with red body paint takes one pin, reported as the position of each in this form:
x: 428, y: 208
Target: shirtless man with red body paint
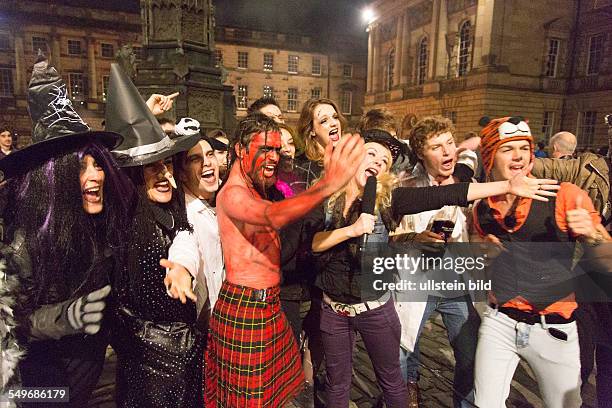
x: 247, y: 326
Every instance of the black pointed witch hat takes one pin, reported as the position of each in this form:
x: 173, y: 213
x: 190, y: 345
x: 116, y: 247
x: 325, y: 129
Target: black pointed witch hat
x: 58, y: 128
x: 144, y: 141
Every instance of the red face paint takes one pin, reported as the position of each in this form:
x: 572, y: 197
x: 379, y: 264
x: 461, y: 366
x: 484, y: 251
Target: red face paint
x: 260, y: 160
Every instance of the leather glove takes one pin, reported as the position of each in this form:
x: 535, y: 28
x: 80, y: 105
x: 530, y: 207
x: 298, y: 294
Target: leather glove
x: 85, y: 314
x: 74, y: 316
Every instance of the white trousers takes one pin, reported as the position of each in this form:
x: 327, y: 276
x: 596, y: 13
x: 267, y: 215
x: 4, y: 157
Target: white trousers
x: 555, y: 362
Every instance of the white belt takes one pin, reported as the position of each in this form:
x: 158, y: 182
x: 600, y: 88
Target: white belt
x: 352, y: 310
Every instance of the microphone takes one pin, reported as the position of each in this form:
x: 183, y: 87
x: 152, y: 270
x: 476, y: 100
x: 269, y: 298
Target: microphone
x: 368, y: 201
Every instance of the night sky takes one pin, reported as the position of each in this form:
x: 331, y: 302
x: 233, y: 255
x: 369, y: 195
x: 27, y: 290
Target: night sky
x: 324, y: 17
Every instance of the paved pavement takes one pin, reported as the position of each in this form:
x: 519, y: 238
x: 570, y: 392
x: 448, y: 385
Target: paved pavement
x: 436, y: 375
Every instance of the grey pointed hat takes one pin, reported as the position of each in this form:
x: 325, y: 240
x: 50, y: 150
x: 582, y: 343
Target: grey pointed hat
x: 144, y: 141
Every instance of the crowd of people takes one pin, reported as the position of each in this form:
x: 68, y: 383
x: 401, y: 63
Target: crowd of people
x: 195, y: 253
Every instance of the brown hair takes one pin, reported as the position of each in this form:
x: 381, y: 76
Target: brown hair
x: 297, y: 141
x: 379, y: 118
x: 408, y: 123
x: 426, y: 128
x: 313, y: 150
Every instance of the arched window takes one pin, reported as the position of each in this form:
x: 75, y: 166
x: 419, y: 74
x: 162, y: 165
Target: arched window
x: 390, y: 70
x: 465, y: 44
x: 422, y: 61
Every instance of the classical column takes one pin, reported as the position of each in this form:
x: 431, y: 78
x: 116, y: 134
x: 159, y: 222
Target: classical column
x: 19, y: 65
x: 91, y: 63
x: 405, y: 65
x: 439, y: 57
x: 370, y: 57
x: 375, y: 60
x: 56, y: 52
x: 399, y: 50
x: 487, y: 38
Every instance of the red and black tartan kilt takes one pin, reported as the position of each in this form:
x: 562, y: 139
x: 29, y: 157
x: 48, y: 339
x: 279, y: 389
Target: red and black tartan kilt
x: 252, y: 359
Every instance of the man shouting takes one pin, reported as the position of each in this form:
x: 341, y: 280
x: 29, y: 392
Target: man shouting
x: 252, y: 358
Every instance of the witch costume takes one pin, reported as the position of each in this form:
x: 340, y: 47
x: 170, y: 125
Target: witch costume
x: 60, y: 253
x: 159, y: 350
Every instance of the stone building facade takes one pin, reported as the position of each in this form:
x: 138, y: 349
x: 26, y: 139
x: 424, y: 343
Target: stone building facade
x: 80, y: 42
x: 292, y: 68
x: 547, y: 60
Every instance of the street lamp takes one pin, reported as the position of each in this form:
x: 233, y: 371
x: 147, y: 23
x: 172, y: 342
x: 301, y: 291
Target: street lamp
x: 368, y: 15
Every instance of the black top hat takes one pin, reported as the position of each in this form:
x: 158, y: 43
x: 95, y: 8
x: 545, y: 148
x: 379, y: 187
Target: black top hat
x: 144, y: 141
x: 396, y: 147
x: 57, y: 126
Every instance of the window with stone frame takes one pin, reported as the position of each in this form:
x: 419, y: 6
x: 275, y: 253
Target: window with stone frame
x: 548, y: 121
x: 218, y: 57
x: 74, y: 47
x: 422, y: 56
x: 268, y: 91
x: 596, y: 54
x: 292, y: 64
x: 465, y: 48
x: 137, y: 52
x: 315, y: 93
x: 347, y: 70
x: 77, y: 86
x: 552, y: 57
x: 243, y: 59
x: 452, y: 115
x: 390, y: 70
x: 316, y: 66
x: 6, y: 82
x: 105, y: 80
x: 346, y: 102
x: 268, y: 61
x: 39, y: 43
x: 5, y: 43
x: 107, y: 50
x: 292, y: 99
x: 586, y: 128
x: 242, y: 99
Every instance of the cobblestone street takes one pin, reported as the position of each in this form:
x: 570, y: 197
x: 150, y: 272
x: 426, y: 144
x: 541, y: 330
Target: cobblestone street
x: 436, y: 378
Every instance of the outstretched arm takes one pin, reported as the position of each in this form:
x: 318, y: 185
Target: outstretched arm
x: 412, y: 200
x: 340, y: 164
x: 522, y: 186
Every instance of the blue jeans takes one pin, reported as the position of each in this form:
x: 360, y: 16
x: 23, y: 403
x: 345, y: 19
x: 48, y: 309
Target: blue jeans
x: 461, y: 321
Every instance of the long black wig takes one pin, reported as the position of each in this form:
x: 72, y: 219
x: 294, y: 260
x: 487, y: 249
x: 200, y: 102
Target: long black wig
x: 62, y: 240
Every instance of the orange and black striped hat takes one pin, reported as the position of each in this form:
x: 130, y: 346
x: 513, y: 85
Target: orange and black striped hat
x: 496, y: 132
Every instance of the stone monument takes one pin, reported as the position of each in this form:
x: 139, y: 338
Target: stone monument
x: 178, y: 55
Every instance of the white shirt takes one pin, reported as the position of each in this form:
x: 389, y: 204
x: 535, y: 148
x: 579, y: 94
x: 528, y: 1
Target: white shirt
x: 411, y: 313
x: 200, y: 251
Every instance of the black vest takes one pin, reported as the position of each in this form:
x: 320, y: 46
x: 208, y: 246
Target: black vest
x: 538, y: 262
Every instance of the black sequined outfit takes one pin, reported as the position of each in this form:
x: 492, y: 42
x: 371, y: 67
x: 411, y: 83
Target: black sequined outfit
x: 159, y: 351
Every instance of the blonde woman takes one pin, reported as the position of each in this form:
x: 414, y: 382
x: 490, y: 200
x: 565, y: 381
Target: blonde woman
x: 346, y: 309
